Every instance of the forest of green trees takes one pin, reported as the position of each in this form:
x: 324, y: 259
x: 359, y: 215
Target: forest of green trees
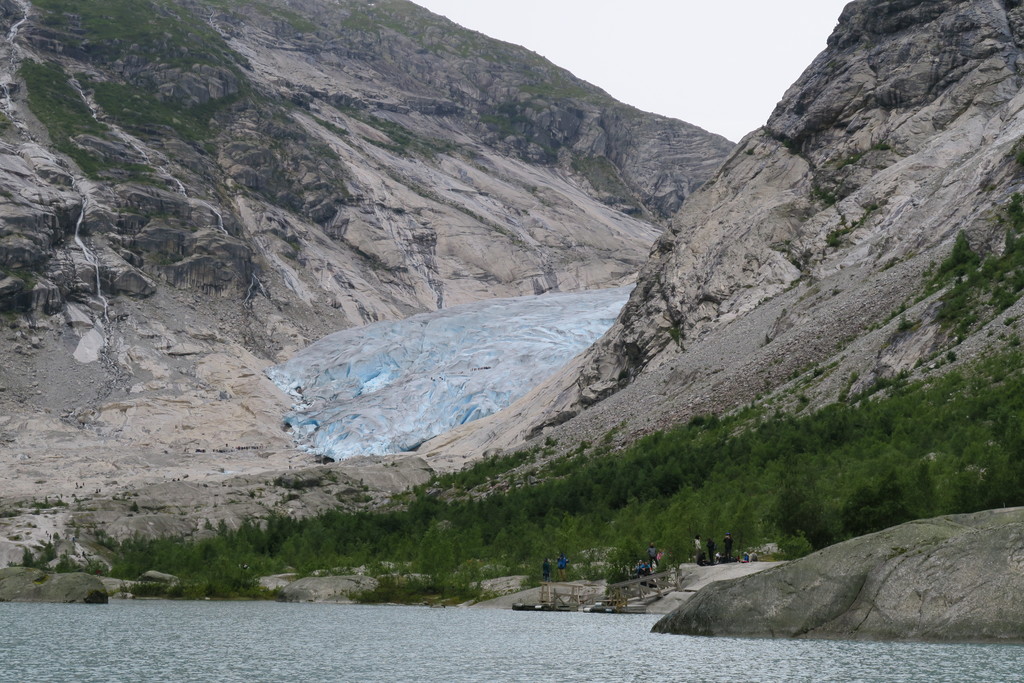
x: 953, y: 444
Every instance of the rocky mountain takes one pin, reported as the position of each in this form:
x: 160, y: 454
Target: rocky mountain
x: 225, y: 183
x: 192, y: 190
x: 818, y: 263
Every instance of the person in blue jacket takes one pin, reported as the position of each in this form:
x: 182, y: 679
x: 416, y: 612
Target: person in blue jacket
x: 563, y: 564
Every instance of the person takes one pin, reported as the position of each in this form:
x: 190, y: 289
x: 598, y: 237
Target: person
x: 652, y: 554
x: 563, y: 563
x: 728, y: 547
x: 698, y: 555
x: 711, y: 550
x: 546, y: 569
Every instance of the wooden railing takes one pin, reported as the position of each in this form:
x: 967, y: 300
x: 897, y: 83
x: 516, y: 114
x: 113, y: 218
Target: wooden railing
x: 566, y: 596
x: 632, y: 595
x: 641, y: 590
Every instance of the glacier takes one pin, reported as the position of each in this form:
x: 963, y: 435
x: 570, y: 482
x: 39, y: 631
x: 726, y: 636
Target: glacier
x: 387, y: 387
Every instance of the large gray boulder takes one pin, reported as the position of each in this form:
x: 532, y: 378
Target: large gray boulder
x: 153, y: 576
x: 951, y: 578
x: 326, y: 589
x: 23, y: 584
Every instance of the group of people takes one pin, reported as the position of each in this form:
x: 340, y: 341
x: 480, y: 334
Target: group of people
x: 648, y: 565
x: 644, y: 566
x: 562, y: 563
x: 713, y: 556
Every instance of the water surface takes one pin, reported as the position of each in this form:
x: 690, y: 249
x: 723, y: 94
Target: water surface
x: 156, y: 640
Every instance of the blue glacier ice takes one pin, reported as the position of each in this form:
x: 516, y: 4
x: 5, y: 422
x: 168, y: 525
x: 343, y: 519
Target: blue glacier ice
x: 387, y: 387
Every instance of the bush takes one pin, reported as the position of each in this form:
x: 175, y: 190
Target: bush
x: 795, y: 547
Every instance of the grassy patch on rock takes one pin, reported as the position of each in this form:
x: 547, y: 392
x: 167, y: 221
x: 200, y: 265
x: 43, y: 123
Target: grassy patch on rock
x: 61, y: 109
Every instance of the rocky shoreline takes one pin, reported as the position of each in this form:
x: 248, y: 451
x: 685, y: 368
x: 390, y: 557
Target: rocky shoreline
x: 24, y: 584
x: 948, y: 579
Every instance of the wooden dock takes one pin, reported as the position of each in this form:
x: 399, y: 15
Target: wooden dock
x: 561, y: 597
x: 626, y: 597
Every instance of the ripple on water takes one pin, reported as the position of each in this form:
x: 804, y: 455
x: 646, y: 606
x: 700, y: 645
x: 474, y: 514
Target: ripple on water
x: 258, y: 641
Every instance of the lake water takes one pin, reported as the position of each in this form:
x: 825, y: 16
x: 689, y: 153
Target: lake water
x: 155, y: 640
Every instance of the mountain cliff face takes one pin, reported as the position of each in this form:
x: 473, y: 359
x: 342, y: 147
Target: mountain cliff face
x: 191, y: 190
x: 810, y: 267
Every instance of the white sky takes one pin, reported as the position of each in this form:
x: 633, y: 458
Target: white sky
x: 720, y: 65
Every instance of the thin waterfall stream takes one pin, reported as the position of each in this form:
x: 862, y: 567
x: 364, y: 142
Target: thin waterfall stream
x: 90, y: 256
x: 138, y: 147
x: 12, y: 64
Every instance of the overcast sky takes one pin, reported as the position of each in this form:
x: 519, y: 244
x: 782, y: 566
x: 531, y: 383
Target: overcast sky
x: 720, y: 65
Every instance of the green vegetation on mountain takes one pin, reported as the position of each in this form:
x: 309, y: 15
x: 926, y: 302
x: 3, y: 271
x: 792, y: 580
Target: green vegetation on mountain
x: 953, y: 443
x: 982, y: 289
x: 137, y: 110
x: 604, y: 177
x: 61, y: 109
x: 153, y: 30
x: 298, y: 22
x: 155, y: 38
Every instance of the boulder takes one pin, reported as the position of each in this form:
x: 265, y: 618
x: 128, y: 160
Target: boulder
x: 24, y: 584
x: 154, y: 576
x: 275, y: 581
x: 117, y: 588
x: 503, y: 585
x: 326, y: 588
x: 943, y: 579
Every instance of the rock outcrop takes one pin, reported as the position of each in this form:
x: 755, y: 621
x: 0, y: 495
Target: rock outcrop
x: 326, y: 589
x: 153, y: 576
x: 23, y: 584
x: 950, y: 578
x: 818, y: 230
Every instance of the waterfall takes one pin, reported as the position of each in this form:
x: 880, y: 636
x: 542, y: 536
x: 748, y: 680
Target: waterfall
x: 90, y: 256
x: 254, y: 285
x: 220, y: 217
x: 136, y: 145
x: 12, y: 63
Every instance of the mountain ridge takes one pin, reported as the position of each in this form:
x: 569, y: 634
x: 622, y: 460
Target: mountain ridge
x: 817, y: 232
x: 193, y: 190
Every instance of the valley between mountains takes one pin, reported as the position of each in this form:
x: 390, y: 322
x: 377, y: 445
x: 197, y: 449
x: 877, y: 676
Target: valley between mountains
x: 193, y: 191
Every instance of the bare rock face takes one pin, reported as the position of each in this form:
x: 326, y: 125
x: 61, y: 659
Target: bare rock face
x: 814, y: 232
x: 22, y: 584
x: 865, y: 148
x: 943, y: 579
x: 326, y: 588
x: 188, y: 198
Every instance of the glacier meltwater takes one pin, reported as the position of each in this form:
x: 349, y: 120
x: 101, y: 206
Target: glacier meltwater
x: 387, y: 387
